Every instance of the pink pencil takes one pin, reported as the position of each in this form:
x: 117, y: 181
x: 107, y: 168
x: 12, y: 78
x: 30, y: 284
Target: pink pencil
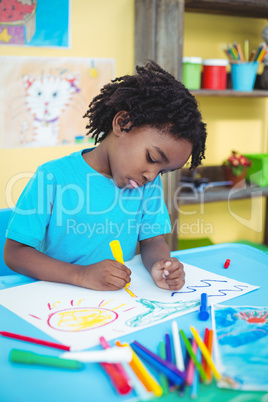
x: 191, y: 366
x: 34, y: 340
x: 118, y: 366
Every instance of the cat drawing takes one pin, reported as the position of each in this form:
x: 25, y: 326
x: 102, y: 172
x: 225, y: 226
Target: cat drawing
x: 46, y: 98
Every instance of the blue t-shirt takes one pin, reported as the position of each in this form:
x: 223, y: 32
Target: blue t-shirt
x: 71, y: 212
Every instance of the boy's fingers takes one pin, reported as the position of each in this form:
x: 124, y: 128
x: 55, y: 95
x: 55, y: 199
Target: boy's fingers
x: 177, y: 273
x: 176, y: 287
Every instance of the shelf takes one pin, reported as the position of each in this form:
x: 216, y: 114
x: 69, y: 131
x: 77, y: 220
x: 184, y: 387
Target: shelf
x: 216, y: 194
x: 241, y: 8
x: 257, y: 93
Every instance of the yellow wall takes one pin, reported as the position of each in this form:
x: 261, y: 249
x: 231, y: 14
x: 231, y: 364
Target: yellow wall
x: 232, y: 123
x: 105, y: 28
x: 99, y: 28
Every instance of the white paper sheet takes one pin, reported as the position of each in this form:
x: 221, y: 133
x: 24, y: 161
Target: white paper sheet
x: 78, y: 317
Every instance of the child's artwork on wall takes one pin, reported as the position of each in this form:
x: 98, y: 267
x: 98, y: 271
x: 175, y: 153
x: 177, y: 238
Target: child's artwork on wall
x: 77, y: 317
x: 34, y: 23
x: 242, y: 347
x: 44, y: 99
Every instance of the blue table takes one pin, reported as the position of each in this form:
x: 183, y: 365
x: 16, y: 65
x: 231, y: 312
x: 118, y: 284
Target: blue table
x: 31, y: 384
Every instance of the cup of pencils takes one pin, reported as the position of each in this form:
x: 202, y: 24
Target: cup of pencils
x: 244, y: 67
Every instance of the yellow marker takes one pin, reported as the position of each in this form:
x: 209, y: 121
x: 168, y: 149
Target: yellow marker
x: 118, y: 256
x: 205, y: 353
x: 142, y: 373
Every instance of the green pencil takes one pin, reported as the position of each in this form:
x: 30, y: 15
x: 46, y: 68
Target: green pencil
x: 193, y: 357
x: 24, y: 357
x: 163, y: 378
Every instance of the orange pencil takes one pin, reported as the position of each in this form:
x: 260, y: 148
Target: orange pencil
x: 206, y: 334
x: 239, y: 51
x: 142, y: 373
x: 210, y: 348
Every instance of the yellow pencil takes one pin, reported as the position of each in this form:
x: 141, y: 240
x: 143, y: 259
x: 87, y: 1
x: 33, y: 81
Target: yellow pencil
x: 118, y: 256
x: 205, y: 353
x: 246, y: 50
x: 142, y: 373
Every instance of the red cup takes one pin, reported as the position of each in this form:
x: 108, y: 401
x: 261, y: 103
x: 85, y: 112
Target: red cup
x: 214, y: 74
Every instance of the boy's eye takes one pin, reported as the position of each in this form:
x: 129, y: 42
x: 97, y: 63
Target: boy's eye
x: 149, y: 159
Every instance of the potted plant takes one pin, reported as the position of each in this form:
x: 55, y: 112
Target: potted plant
x: 235, y: 168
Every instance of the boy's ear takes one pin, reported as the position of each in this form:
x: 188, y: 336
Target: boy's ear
x: 118, y: 125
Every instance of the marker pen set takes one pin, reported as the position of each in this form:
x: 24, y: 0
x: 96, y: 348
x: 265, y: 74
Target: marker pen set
x: 123, y: 363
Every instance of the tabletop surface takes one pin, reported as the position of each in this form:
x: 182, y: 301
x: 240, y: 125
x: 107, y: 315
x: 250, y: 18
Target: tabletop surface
x: 32, y: 383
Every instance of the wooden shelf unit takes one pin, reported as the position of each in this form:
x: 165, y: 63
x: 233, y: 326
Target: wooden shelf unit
x: 239, y: 8
x: 256, y: 93
x: 159, y: 32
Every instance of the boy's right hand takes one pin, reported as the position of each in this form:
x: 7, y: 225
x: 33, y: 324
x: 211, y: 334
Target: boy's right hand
x: 104, y: 275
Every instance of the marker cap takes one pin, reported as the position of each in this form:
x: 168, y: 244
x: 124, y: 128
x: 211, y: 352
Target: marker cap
x: 203, y: 314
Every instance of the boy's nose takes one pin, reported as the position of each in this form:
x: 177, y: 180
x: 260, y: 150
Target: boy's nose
x: 150, y: 176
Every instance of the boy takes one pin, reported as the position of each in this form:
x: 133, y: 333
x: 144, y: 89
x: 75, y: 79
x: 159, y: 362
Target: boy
x: 147, y: 124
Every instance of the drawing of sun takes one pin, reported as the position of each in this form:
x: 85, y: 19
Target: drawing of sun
x: 76, y: 319
x: 81, y: 319
x: 254, y: 317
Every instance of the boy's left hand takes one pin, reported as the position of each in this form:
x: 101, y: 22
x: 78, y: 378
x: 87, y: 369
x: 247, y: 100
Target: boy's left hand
x: 168, y: 274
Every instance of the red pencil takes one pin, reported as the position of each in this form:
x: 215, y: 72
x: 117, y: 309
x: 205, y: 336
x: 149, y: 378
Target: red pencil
x: 34, y: 340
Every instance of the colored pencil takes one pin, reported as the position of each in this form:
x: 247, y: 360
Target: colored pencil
x: 206, y: 334
x: 190, y: 368
x: 169, y: 369
x: 118, y: 256
x: 143, y: 374
x: 168, y: 354
x: 34, y: 340
x: 118, y: 366
x: 177, y: 347
x: 246, y: 50
x: 210, y: 347
x: 195, y: 385
x: 162, y: 377
x: 193, y: 356
x: 138, y: 386
x: 119, y: 383
x: 205, y: 353
x: 25, y: 357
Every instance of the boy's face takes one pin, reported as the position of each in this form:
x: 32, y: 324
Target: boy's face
x: 139, y: 156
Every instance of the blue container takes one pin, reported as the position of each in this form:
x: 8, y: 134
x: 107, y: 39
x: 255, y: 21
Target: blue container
x: 244, y: 75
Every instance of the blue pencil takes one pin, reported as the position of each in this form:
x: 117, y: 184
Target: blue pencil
x: 165, y: 367
x: 168, y: 352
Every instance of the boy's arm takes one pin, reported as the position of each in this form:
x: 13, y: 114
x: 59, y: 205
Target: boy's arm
x: 166, y: 271
x: 104, y: 275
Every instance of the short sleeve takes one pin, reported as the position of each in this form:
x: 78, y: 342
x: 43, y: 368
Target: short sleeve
x: 155, y: 218
x: 32, y: 212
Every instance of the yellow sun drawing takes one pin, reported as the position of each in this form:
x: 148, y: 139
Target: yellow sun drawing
x: 76, y: 319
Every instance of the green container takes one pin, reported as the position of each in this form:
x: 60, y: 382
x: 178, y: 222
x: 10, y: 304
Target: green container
x: 191, y: 72
x: 257, y: 173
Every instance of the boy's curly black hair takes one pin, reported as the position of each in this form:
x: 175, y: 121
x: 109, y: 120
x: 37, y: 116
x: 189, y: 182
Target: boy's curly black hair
x: 151, y: 97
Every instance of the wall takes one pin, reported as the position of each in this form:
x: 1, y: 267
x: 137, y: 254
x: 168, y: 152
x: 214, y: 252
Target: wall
x: 99, y: 28
x: 233, y: 124
x: 105, y: 28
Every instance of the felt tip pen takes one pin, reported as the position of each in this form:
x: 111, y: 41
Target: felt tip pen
x: 105, y: 344
x: 205, y: 353
x: 24, y: 357
x: 34, y: 340
x: 119, y: 383
x: 118, y: 256
x: 111, y: 355
x: 146, y: 378
x: 203, y: 314
x: 193, y: 356
x: 165, y: 367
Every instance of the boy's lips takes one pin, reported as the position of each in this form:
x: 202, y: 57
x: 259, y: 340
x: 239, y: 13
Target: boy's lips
x: 133, y: 183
